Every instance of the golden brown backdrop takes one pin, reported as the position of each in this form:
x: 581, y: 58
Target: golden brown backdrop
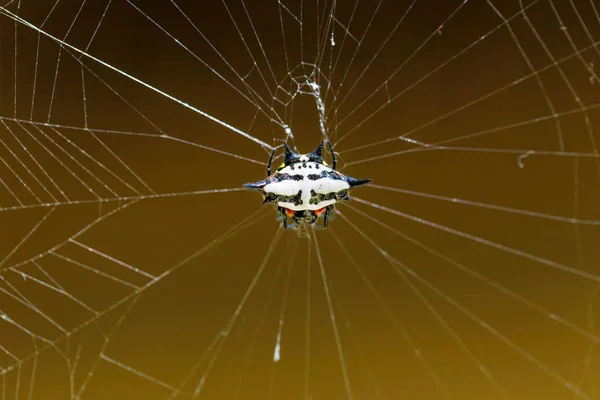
x: 469, y: 269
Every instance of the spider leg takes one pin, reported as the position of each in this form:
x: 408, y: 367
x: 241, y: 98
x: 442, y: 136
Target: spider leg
x: 324, y: 226
x: 285, y: 223
x: 329, y: 214
x: 280, y: 213
x: 269, y: 164
x: 333, y: 160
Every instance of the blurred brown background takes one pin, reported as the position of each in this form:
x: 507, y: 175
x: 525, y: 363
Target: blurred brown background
x: 465, y: 302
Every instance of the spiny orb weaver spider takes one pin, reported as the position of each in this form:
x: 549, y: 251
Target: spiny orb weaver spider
x: 304, y: 187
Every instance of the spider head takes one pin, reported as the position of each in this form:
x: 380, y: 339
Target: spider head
x: 308, y: 217
x: 300, y: 217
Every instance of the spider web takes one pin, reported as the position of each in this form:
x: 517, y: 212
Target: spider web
x: 133, y: 264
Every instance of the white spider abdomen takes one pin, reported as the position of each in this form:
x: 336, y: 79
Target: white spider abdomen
x: 304, y: 187
x: 318, y: 186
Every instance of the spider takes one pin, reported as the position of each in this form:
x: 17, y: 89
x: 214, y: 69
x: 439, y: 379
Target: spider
x: 304, y: 187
